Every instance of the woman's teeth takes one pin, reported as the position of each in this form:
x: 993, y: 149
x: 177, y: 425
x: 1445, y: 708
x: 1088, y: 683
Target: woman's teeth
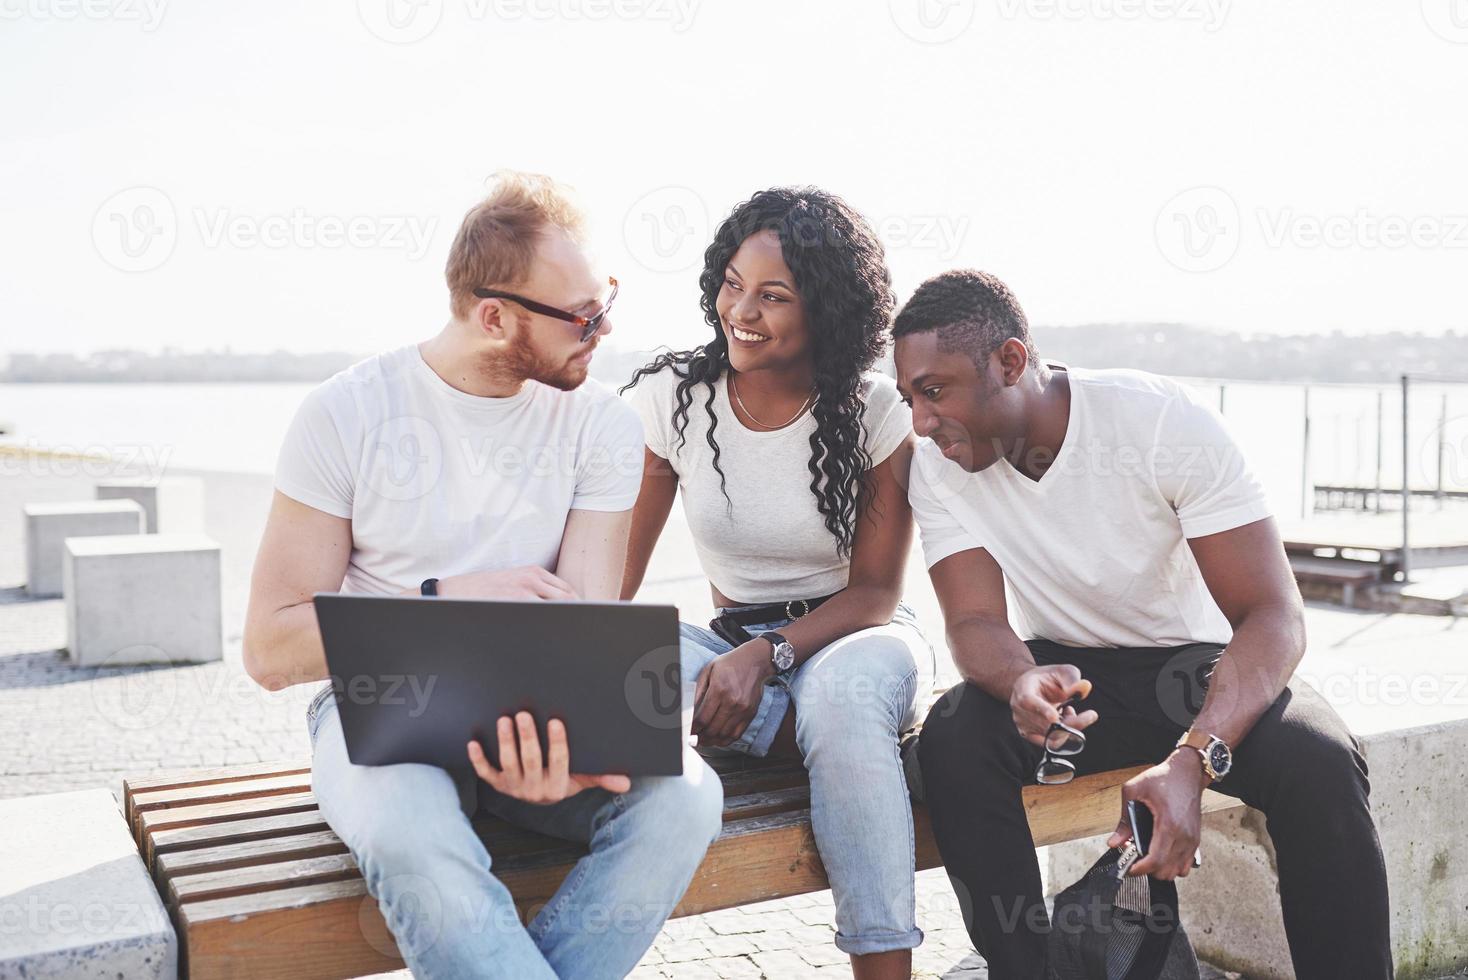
x: 747, y: 336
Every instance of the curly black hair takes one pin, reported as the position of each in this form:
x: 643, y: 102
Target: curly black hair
x: 974, y: 313
x: 841, y: 274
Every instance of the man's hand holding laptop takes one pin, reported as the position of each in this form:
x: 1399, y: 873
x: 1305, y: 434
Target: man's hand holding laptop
x: 527, y: 771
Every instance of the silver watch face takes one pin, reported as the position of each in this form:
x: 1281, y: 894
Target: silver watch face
x: 1220, y: 758
x: 783, y: 656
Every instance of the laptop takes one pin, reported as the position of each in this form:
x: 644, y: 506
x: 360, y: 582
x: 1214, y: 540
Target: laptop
x: 415, y: 678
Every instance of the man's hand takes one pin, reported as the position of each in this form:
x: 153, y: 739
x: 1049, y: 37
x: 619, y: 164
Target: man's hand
x: 522, y: 774
x: 728, y: 692
x: 1036, y: 695
x: 526, y: 582
x: 1173, y: 791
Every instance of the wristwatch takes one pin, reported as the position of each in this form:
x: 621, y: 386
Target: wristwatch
x: 782, y: 654
x: 429, y: 587
x: 1218, y: 758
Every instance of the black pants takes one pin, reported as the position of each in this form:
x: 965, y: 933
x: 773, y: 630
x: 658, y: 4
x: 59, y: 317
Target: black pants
x: 1299, y: 765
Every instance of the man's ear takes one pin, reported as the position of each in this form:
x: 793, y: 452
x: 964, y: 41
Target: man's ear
x: 492, y: 319
x: 1014, y: 360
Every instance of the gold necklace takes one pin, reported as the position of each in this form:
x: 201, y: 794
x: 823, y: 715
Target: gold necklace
x: 745, y: 408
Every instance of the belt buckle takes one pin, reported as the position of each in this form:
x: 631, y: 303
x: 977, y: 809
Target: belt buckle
x: 790, y: 610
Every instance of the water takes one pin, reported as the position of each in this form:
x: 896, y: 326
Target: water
x: 238, y: 428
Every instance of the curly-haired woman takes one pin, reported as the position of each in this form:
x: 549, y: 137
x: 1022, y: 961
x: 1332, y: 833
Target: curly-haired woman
x: 793, y: 470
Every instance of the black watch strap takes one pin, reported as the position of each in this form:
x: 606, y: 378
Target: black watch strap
x: 429, y: 587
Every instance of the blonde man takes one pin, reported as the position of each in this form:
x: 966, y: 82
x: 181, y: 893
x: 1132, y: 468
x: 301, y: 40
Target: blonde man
x: 382, y: 488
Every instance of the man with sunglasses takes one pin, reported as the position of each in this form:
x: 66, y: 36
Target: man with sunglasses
x: 480, y: 464
x: 1138, y: 555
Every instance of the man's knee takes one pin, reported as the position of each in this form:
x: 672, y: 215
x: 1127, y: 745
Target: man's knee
x: 686, y: 809
x: 963, y: 729
x: 392, y: 817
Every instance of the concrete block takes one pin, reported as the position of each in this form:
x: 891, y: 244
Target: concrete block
x: 75, y: 899
x: 173, y: 504
x: 47, y: 526
x: 143, y: 598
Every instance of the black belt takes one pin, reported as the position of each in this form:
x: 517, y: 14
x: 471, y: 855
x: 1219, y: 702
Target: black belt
x: 794, y: 609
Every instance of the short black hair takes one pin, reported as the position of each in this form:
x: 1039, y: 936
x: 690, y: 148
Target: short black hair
x: 972, y: 311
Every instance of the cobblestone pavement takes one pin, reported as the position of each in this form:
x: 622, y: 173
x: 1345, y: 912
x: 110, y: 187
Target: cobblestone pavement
x: 67, y: 728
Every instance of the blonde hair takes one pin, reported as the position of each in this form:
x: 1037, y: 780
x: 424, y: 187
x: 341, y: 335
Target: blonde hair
x: 496, y: 243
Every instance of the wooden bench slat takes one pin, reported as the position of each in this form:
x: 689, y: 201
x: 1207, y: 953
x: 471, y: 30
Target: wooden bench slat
x: 260, y: 878
x: 180, y: 778
x: 220, y: 792
x: 249, y: 853
x: 202, y: 813
x: 237, y: 831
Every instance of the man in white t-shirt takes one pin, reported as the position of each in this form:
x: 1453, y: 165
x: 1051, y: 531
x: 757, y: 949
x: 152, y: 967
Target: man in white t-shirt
x: 480, y: 464
x: 1150, y: 608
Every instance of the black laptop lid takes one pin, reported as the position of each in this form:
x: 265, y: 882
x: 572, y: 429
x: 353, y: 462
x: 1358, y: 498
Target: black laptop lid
x: 416, y: 677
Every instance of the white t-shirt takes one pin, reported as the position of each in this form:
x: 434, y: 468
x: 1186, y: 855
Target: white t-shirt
x: 438, y: 482
x: 771, y: 544
x: 1095, y: 553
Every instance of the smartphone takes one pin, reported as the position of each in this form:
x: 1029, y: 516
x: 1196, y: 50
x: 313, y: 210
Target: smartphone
x: 1140, y: 818
x: 730, y: 632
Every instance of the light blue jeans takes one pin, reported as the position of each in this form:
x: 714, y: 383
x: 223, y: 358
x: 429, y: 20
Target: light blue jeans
x: 852, y: 700
x: 408, y: 828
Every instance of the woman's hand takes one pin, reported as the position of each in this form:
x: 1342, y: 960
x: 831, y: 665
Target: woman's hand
x: 729, y: 691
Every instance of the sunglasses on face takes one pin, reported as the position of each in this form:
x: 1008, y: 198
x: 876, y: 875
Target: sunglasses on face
x: 589, y: 324
x: 1061, y: 741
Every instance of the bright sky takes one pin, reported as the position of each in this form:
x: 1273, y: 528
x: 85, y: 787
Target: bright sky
x: 202, y: 174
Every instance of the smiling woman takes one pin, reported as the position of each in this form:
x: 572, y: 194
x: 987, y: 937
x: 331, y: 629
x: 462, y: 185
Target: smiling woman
x: 803, y: 536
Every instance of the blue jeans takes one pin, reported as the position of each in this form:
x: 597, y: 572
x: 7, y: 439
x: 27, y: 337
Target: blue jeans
x: 408, y: 828
x: 852, y: 700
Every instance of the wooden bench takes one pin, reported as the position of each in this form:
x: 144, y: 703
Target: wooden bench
x: 259, y: 886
